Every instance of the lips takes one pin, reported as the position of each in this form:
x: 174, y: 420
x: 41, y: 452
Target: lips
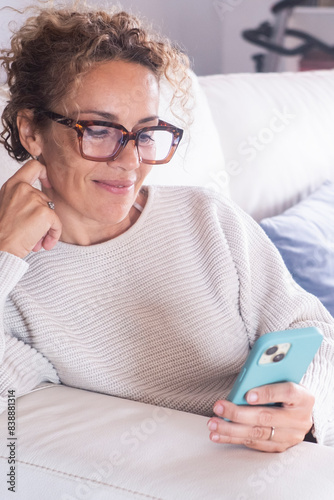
x: 121, y: 186
x: 116, y: 183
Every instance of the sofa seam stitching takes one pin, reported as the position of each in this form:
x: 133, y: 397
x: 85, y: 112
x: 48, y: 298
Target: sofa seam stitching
x: 87, y: 479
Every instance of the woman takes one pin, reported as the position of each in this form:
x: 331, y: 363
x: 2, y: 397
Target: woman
x: 153, y: 294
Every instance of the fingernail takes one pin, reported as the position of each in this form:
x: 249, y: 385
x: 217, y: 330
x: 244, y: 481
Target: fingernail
x: 212, y: 425
x: 215, y: 437
x: 252, y: 397
x: 218, y: 409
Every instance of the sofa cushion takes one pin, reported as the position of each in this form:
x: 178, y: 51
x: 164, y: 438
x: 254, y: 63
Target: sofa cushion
x: 304, y: 235
x: 276, y: 132
x: 74, y: 444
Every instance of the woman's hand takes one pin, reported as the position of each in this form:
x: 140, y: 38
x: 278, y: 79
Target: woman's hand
x: 26, y: 221
x: 272, y: 429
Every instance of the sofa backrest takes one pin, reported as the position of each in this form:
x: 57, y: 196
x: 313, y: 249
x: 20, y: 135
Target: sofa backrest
x: 277, y: 135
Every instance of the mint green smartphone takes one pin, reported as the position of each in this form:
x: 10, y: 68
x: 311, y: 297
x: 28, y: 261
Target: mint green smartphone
x: 276, y: 357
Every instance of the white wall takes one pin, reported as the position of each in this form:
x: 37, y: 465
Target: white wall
x: 208, y: 30
x: 193, y: 24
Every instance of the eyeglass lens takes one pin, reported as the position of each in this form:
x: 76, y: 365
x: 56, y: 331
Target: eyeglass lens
x: 101, y: 142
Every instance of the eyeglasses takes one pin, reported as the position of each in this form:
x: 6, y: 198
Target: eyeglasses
x: 104, y: 141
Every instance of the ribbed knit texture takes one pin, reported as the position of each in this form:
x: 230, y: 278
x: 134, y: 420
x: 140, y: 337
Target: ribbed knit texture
x: 164, y: 314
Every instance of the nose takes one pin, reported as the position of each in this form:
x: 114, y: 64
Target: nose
x: 128, y: 158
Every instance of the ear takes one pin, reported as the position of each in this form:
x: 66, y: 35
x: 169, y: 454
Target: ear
x: 30, y: 138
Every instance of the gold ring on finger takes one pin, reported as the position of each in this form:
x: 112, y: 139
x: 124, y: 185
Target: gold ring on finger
x: 272, y: 434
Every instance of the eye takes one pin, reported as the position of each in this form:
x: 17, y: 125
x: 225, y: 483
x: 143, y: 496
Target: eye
x: 146, y: 139
x: 95, y: 133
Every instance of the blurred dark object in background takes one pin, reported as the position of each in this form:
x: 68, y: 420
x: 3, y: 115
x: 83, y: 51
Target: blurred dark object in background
x: 314, y: 52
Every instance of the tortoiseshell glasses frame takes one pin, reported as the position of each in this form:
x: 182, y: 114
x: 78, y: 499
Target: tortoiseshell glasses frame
x: 116, y: 136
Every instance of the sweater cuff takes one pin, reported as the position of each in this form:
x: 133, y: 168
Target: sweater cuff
x: 12, y: 268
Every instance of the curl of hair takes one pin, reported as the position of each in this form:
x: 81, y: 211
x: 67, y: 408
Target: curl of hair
x: 55, y: 48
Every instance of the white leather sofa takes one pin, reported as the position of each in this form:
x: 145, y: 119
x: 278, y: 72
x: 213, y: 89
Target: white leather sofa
x: 268, y: 144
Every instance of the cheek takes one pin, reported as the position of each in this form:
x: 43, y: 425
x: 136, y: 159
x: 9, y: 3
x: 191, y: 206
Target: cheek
x: 67, y: 177
x: 61, y: 146
x: 62, y: 161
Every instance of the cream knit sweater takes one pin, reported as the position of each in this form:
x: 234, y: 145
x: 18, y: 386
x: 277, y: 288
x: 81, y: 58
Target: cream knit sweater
x: 165, y: 313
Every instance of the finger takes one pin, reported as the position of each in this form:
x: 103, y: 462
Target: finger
x: 30, y: 172
x: 32, y: 224
x: 266, y: 416
x: 38, y: 246
x: 263, y: 416
x: 287, y: 393
x: 52, y: 236
x: 262, y: 439
x: 231, y: 432
x: 269, y: 446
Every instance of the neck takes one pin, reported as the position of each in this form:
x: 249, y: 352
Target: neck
x: 97, y: 233
x: 85, y: 232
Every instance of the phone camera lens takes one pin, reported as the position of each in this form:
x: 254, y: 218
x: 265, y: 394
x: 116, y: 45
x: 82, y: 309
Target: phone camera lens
x: 279, y: 357
x: 271, y: 350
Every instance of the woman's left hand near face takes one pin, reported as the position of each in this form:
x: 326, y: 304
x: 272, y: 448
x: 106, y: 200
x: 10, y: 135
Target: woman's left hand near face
x: 253, y: 426
x: 27, y: 222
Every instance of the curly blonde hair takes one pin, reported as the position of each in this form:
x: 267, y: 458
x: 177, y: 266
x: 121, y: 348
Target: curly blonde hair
x: 54, y: 49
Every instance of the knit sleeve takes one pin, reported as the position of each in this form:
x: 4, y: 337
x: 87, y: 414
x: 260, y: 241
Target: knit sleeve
x: 270, y: 300
x: 22, y: 367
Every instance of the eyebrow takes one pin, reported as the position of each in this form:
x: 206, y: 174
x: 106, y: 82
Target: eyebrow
x: 112, y: 117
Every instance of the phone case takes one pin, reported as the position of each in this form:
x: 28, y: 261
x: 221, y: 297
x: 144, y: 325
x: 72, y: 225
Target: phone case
x: 304, y: 343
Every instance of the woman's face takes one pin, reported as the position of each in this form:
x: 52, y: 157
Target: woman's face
x: 94, y: 199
